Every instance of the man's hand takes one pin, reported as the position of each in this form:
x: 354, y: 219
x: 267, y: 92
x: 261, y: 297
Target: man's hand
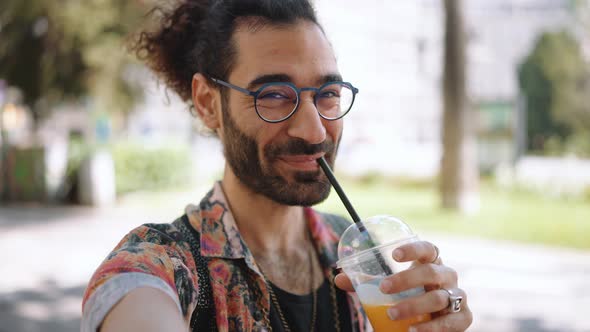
x: 435, y: 277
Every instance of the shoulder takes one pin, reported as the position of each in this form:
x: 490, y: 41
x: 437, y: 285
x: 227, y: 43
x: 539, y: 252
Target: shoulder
x: 160, y: 234
x: 150, y: 248
x: 154, y: 249
x: 151, y: 255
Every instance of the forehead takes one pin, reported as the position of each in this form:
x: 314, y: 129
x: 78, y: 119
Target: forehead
x: 299, y: 50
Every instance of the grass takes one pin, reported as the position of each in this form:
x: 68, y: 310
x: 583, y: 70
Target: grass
x: 504, y: 214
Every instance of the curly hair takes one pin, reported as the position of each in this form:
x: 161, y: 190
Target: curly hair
x: 195, y: 36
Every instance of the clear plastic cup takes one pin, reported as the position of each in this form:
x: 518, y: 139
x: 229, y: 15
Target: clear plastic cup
x: 365, y: 255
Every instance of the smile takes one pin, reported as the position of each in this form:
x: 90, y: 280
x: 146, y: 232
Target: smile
x: 302, y: 162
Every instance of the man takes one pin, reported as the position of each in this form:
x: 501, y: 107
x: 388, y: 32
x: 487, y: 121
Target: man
x: 252, y: 256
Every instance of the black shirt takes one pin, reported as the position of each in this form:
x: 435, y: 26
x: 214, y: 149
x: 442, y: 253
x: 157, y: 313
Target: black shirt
x: 297, y: 310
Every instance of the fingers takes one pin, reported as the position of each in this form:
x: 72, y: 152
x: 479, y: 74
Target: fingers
x: 421, y: 251
x: 430, y: 276
x: 452, y: 323
x: 455, y: 322
x: 436, y: 301
x: 343, y: 282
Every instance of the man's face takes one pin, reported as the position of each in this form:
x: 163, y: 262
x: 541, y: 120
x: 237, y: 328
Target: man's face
x: 278, y: 159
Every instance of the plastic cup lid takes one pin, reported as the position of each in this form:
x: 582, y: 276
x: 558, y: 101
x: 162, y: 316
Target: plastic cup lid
x: 373, y: 232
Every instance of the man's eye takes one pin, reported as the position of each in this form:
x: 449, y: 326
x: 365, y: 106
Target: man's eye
x: 329, y: 94
x: 273, y: 95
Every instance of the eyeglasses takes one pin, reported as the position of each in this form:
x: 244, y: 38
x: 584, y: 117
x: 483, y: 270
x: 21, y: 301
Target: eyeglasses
x: 278, y: 101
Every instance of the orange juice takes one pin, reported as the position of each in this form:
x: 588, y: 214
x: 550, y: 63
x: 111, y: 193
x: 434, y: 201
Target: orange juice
x: 381, y: 322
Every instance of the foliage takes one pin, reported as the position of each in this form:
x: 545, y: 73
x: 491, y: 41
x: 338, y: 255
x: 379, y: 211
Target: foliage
x: 59, y: 50
x: 78, y: 151
x: 136, y: 167
x: 577, y: 144
x: 140, y: 168
x: 556, y: 83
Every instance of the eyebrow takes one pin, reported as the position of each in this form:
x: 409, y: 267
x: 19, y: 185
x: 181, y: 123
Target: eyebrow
x: 330, y: 78
x: 271, y: 78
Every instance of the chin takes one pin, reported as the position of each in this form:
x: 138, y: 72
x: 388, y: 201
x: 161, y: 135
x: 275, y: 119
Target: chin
x: 302, y: 192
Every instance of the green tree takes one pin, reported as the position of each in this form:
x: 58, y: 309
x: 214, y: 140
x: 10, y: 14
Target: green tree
x: 56, y: 51
x: 554, y: 79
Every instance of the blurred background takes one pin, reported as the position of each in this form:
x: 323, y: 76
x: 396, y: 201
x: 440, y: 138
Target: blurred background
x: 472, y: 124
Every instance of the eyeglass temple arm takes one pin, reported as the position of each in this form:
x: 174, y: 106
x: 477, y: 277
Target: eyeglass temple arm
x: 235, y: 87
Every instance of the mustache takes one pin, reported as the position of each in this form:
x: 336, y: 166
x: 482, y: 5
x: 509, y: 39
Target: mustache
x: 297, y: 146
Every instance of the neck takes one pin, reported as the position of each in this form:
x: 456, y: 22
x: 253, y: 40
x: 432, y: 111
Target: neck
x: 265, y: 225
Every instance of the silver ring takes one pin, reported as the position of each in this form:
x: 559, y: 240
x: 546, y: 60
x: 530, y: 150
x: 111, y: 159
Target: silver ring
x: 454, y: 301
x: 437, y: 254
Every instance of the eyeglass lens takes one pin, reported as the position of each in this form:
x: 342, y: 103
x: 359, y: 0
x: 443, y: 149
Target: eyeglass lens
x: 278, y: 101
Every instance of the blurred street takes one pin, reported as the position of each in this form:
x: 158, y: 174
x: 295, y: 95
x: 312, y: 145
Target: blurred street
x: 49, y: 253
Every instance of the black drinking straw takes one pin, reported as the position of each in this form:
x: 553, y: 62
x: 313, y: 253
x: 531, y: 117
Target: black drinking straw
x: 324, y: 165
x: 355, y: 217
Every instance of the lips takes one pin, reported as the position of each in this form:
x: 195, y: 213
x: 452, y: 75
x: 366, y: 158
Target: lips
x: 303, y: 162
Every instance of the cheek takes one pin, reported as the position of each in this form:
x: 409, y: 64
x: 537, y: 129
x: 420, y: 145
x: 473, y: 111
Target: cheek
x: 267, y: 134
x: 334, y: 129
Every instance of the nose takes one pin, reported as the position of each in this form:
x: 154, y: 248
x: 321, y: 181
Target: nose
x: 306, y: 123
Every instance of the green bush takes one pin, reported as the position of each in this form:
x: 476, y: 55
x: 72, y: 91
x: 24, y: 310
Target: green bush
x: 577, y: 144
x: 151, y: 168
x: 587, y: 194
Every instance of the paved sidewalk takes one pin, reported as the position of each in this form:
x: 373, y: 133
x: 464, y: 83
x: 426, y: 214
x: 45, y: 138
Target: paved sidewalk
x: 49, y: 253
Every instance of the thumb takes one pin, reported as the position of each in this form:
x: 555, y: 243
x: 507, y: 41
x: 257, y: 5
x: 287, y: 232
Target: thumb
x: 343, y: 282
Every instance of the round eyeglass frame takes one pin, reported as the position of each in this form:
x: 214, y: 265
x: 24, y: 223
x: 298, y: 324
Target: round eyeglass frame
x: 256, y: 93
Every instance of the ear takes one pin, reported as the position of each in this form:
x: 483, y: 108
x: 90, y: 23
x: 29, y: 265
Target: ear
x: 207, y: 101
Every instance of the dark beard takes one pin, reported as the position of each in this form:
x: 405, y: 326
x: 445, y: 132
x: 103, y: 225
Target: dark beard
x: 241, y: 153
